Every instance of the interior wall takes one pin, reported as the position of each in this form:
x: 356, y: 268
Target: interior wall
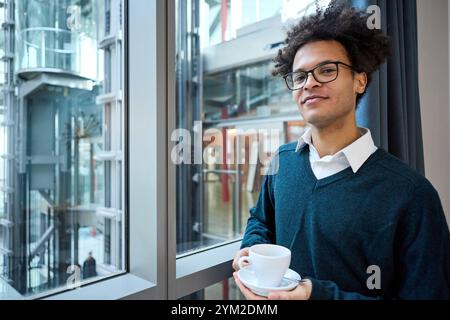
x: 434, y: 83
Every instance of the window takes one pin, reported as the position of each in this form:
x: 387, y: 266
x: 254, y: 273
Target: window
x: 231, y: 116
x: 62, y: 145
x: 227, y: 99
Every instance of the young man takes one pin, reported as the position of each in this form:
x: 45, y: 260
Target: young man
x: 346, y: 209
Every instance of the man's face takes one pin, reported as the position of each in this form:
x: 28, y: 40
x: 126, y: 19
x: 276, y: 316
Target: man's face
x: 336, y: 100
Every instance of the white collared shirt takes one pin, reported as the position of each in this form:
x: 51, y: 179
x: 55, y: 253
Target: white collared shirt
x: 354, y: 155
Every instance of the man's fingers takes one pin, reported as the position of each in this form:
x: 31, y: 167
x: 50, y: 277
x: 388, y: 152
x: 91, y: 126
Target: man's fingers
x: 279, y: 296
x: 302, y: 292
x: 241, y: 253
x: 237, y: 265
x: 243, y: 289
x: 248, y: 294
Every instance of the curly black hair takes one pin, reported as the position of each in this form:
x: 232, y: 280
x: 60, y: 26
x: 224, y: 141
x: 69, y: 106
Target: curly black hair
x: 366, y: 48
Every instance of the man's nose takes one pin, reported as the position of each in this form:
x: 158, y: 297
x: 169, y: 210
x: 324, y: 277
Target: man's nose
x: 311, y: 82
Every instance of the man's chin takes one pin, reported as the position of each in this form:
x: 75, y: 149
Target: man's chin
x: 317, y: 121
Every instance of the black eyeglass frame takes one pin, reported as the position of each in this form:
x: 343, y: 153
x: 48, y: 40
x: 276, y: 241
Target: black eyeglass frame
x: 337, y: 63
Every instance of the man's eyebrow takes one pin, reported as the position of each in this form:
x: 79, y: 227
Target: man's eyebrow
x: 320, y: 63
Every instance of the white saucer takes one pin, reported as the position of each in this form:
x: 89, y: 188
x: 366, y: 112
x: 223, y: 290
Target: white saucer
x: 247, y: 277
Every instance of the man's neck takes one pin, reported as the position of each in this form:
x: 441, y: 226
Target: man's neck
x: 335, y: 137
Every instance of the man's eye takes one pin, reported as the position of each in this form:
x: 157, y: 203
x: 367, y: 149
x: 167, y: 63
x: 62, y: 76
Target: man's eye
x: 299, y: 78
x: 327, y: 71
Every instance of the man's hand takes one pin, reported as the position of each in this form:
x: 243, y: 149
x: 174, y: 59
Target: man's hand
x: 248, y: 294
x: 240, y: 253
x: 302, y: 292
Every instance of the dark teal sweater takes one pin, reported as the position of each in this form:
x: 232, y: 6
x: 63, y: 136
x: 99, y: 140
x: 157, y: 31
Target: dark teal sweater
x: 385, y: 215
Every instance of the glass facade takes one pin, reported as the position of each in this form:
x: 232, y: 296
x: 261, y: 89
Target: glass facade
x: 248, y: 91
x: 226, y: 18
x: 62, y: 214
x: 228, y: 100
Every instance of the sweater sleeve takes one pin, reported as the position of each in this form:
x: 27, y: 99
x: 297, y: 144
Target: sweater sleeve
x: 261, y: 223
x: 424, y: 247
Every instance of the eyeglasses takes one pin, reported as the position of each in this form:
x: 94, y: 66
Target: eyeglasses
x: 325, y: 72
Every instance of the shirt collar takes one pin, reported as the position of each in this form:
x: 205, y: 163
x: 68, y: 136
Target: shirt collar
x: 356, y: 153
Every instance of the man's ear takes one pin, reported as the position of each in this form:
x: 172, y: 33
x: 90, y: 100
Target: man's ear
x: 361, y: 82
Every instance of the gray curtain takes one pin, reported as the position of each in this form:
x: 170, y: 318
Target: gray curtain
x: 391, y: 106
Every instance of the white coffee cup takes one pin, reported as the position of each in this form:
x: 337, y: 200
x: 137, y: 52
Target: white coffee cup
x: 269, y: 262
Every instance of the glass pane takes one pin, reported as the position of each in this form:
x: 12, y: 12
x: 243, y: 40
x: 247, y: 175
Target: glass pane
x: 247, y: 91
x: 233, y: 112
x: 2, y: 166
x: 61, y: 216
x: 227, y: 17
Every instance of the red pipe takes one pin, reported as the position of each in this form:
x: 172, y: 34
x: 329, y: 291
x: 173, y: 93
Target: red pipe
x: 224, y: 19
